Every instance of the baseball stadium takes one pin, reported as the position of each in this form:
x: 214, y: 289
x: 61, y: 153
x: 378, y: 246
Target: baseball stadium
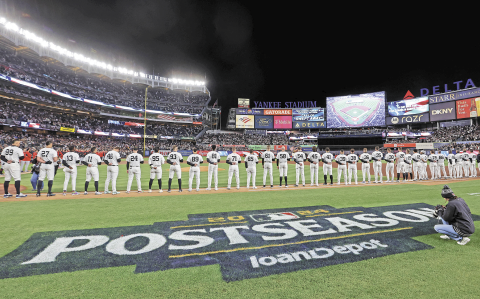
x: 120, y: 182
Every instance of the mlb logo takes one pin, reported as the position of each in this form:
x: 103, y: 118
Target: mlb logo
x: 274, y: 217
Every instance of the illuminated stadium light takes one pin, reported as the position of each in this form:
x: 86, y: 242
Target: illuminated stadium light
x: 79, y: 57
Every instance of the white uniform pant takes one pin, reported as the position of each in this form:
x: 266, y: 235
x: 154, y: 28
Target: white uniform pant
x: 451, y: 170
x: 342, y: 168
x: 440, y: 169
x: 156, y: 173
x: 212, y: 170
x: 283, y: 168
x: 24, y: 164
x: 466, y: 168
x: 233, y: 169
x: 473, y: 169
x: 424, y: 170
x: 401, y: 167
x: 251, y: 173
x: 46, y: 170
x: 433, y: 169
x: 314, y: 173
x: 459, y: 169
x: 417, y: 170
x: 92, y: 172
x: 134, y: 171
x: 175, y: 169
x: 194, y: 172
x: 327, y: 169
x: 377, y: 170
x: 12, y: 170
x: 390, y: 171
x: 112, y: 174
x: 299, y: 170
x: 267, y: 169
x: 70, y: 174
x: 352, y: 170
x: 365, y: 171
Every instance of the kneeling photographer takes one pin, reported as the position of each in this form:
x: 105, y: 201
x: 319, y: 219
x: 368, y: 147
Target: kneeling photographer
x: 456, y: 217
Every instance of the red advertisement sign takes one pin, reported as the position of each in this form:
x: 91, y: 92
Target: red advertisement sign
x: 203, y: 153
x: 279, y: 147
x: 277, y: 112
x: 282, y: 122
x: 197, y: 122
x: 466, y: 108
x: 400, y: 145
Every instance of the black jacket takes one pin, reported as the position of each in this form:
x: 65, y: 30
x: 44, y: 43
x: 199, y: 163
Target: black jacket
x: 457, y: 213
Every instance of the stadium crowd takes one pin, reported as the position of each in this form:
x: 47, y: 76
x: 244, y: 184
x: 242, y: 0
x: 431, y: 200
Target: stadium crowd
x: 82, y: 85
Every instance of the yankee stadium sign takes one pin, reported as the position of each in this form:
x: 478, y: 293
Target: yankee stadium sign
x: 245, y: 244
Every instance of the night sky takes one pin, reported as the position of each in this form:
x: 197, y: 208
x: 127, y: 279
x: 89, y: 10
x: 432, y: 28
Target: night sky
x: 270, y: 51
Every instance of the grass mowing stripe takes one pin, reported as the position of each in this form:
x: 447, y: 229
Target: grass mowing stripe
x: 293, y: 243
x: 207, y: 224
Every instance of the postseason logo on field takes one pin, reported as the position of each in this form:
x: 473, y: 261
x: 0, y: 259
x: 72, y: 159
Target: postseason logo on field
x: 246, y: 244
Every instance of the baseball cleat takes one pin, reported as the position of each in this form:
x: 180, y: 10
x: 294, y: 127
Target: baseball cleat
x: 180, y: 190
x: 238, y: 188
x: 228, y: 188
x: 85, y: 193
x: 445, y: 237
x: 208, y: 189
x: 189, y: 190
x: 115, y: 193
x: 50, y: 194
x: 20, y: 195
x: 356, y: 183
x: 317, y: 185
x: 38, y: 194
x: 98, y: 193
x: 160, y: 191
x: 363, y: 182
x: 286, y: 186
x: 7, y: 195
x: 311, y: 185
x: 254, y: 187
x: 128, y: 192
x: 216, y: 189
x: 295, y: 185
x: 75, y: 193
x: 331, y: 184
x: 338, y: 183
x: 271, y: 186
x: 263, y: 186
x: 107, y: 192
x: 149, y: 190
x: 464, y: 241
x: 64, y: 193
x: 398, y: 181
x: 198, y: 190
x: 169, y: 191
x: 303, y: 185
x: 139, y: 191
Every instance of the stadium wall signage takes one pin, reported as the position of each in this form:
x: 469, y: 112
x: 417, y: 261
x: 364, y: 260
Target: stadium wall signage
x: 263, y: 122
x: 453, y: 96
x: 408, y: 119
x: 436, y: 89
x: 274, y: 105
x: 308, y: 124
x: 467, y: 108
x: 443, y: 111
x: 249, y: 111
x: 246, y: 244
x: 64, y: 129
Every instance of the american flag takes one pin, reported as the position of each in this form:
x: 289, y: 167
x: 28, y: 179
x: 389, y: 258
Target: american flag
x: 244, y: 119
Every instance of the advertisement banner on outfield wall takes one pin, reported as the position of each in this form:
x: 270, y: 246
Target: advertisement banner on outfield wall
x: 245, y: 121
x: 279, y: 147
x: 442, y: 111
x: 277, y: 112
x: 407, y: 119
x: 185, y: 153
x: 203, y: 153
x: 466, y: 108
x: 425, y: 146
x: 164, y: 152
x: 453, y: 96
x: 64, y: 129
x: 308, y: 114
x: 257, y: 147
x: 282, y: 122
x: 263, y: 122
x: 400, y: 145
x: 308, y: 124
x: 245, y: 111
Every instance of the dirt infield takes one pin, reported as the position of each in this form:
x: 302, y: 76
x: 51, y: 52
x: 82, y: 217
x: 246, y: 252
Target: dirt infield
x: 155, y: 193
x: 202, y: 169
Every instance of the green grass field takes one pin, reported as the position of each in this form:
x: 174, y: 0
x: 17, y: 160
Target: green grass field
x: 446, y: 270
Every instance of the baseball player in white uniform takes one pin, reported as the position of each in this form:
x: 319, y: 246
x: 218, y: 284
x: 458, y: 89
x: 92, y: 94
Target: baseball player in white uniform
x: 92, y: 160
x: 352, y: 159
x: 282, y: 164
x: 112, y: 158
x: 232, y: 160
x: 424, y: 158
x: 473, y: 161
x: 342, y: 167
x: 174, y: 158
x: 390, y: 169
x: 70, y: 161
x: 213, y: 158
x: 466, y: 163
x: 400, y: 164
x: 327, y: 159
x: 194, y: 160
x: 441, y: 166
x: 267, y: 158
x: 451, y: 164
x: 155, y: 161
x: 417, y: 165
x: 11, y: 157
x: 365, y: 158
x: 408, y: 165
x: 432, y: 158
x: 251, y: 161
x: 377, y: 165
x: 459, y: 164
x: 133, y: 170
x: 299, y: 158
x: 314, y: 159
x: 47, y: 156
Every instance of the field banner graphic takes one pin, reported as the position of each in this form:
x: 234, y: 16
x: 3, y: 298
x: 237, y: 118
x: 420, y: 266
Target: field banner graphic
x: 408, y: 107
x: 308, y: 114
x: 282, y: 122
x: 363, y: 110
x: 466, y: 108
x: 245, y: 244
x: 245, y: 121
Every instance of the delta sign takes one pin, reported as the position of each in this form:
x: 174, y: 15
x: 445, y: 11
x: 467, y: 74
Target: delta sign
x: 246, y: 244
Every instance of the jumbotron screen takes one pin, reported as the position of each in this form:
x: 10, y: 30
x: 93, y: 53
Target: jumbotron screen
x: 362, y: 110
